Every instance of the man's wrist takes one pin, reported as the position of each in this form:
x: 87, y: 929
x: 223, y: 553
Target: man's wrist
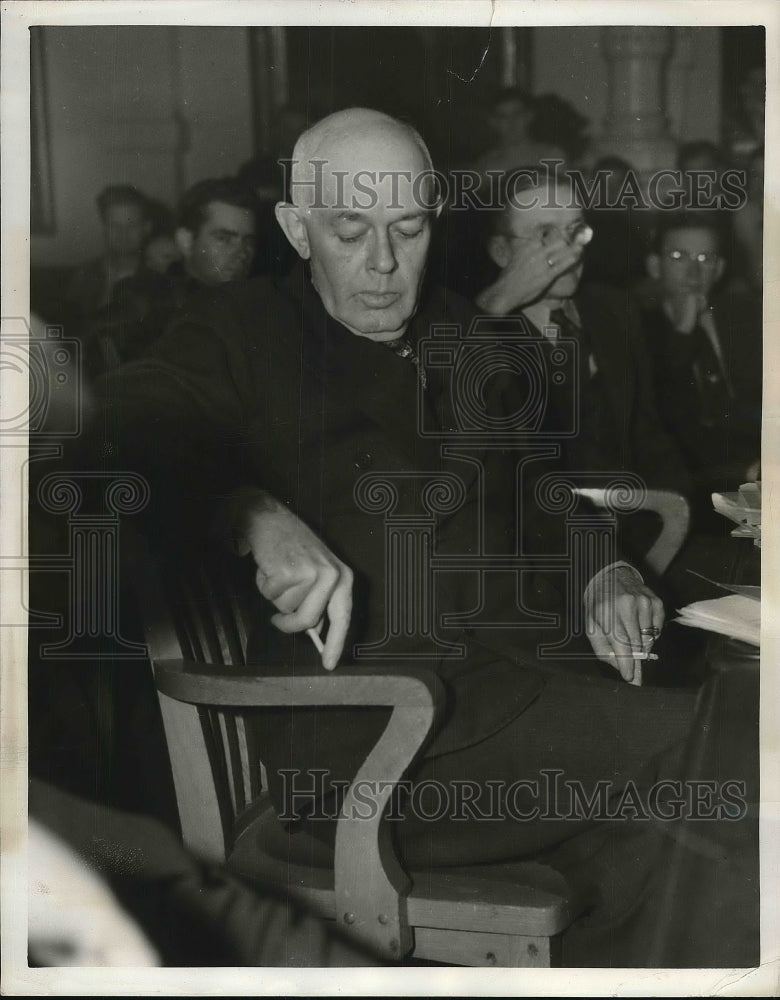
x: 599, y: 578
x: 493, y: 299
x: 235, y: 514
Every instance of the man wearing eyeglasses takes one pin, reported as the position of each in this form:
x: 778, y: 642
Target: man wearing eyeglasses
x: 538, y: 241
x: 706, y: 353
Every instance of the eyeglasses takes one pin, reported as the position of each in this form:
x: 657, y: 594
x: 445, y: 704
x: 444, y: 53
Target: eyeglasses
x: 705, y: 258
x: 546, y: 233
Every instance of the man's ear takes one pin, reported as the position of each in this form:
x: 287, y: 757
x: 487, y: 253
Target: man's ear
x: 498, y: 250
x: 184, y: 238
x: 290, y: 218
x: 653, y: 265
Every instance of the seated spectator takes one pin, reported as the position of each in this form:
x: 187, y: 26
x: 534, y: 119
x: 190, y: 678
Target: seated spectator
x: 620, y: 241
x: 698, y: 156
x: 541, y: 252
x: 124, y: 215
x: 555, y: 123
x: 216, y: 231
x: 706, y: 353
x: 264, y: 174
x: 161, y: 251
x: 215, y: 237
x: 510, y: 119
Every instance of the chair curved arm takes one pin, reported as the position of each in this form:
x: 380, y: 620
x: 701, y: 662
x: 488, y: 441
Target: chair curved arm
x: 673, y: 509
x: 370, y: 884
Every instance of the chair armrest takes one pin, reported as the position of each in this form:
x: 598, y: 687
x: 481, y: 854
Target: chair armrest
x: 370, y: 885
x: 673, y: 509
x: 196, y: 683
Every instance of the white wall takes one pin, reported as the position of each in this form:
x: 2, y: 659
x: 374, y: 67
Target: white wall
x: 117, y: 100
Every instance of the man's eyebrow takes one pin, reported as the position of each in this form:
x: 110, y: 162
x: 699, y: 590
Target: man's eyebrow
x: 348, y: 216
x: 413, y: 216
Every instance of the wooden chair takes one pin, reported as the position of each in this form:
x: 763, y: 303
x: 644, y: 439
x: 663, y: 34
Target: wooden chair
x: 196, y: 619
x: 672, y: 508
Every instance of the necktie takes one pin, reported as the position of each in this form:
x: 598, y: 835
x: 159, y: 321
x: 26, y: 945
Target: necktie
x: 708, y: 380
x: 572, y: 330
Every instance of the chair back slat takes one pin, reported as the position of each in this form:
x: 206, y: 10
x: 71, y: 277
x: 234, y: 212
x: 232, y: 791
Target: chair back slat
x: 252, y: 780
x: 201, y: 610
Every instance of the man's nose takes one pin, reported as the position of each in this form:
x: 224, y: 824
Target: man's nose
x: 695, y: 267
x: 382, y: 256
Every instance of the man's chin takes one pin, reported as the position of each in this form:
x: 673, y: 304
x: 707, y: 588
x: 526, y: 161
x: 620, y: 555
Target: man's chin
x: 379, y: 324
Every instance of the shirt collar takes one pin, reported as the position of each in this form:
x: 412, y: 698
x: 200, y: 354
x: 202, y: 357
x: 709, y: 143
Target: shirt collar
x: 539, y: 312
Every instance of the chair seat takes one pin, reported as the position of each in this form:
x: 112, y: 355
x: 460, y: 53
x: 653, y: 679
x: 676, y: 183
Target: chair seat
x: 517, y: 898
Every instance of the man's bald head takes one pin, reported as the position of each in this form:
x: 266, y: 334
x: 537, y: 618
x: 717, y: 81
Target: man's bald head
x: 360, y: 141
x: 359, y: 215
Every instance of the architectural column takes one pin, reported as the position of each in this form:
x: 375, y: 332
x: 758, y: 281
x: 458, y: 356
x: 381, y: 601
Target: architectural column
x: 636, y: 125
x: 270, y: 82
x: 516, y: 54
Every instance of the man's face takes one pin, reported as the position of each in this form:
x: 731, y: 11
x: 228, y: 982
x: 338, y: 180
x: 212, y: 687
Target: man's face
x: 542, y: 225
x: 677, y: 267
x: 160, y: 253
x: 223, y: 248
x: 125, y: 228
x: 368, y: 263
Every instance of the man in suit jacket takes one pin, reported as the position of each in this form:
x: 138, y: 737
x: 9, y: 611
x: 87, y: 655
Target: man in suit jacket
x: 261, y: 413
x: 539, y: 242
x: 705, y: 352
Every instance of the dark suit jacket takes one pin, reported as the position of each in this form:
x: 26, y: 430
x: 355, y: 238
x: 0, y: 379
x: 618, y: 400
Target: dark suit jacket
x: 258, y: 385
x: 718, y: 453
x: 630, y: 434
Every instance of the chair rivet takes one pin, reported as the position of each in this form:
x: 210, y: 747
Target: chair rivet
x: 490, y: 958
x: 349, y: 918
x: 382, y: 918
x: 393, y: 945
x: 533, y: 950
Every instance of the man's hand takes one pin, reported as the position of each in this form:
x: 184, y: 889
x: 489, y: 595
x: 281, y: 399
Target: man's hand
x: 530, y: 271
x: 295, y: 570
x: 617, y: 608
x: 685, y: 309
x: 74, y: 917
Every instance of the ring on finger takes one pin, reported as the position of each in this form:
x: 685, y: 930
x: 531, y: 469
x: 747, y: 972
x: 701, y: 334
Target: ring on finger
x: 652, y: 631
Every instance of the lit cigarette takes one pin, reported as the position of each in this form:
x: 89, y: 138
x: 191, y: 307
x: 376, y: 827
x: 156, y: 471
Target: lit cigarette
x: 315, y: 638
x: 635, y: 656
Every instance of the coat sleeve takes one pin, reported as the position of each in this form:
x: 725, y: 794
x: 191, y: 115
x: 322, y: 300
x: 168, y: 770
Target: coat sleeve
x: 176, y: 417
x: 659, y: 459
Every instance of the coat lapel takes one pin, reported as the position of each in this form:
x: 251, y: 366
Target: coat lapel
x: 611, y: 347
x: 358, y: 374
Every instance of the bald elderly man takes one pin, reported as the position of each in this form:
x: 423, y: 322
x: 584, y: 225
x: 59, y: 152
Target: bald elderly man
x: 263, y: 409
